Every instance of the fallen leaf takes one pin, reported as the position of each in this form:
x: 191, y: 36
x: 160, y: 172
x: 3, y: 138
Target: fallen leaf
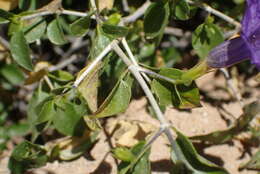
x: 128, y: 133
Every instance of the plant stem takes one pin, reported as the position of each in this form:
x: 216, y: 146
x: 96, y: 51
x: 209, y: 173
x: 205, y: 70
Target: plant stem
x: 46, y: 13
x: 156, y: 75
x: 93, y: 64
x: 133, y: 59
x: 134, y: 70
x: 137, y: 14
x: 209, y: 9
x: 230, y: 85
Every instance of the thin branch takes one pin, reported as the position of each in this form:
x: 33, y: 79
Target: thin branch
x: 137, y: 14
x: 145, y: 148
x: 230, y: 85
x: 174, y: 31
x: 37, y: 14
x: 64, y: 63
x: 134, y: 70
x: 93, y: 64
x: 46, y: 13
x: 4, y: 42
x: 73, y: 13
x: 48, y: 81
x: 125, y: 6
x: 209, y: 9
x: 156, y: 75
x: 133, y: 59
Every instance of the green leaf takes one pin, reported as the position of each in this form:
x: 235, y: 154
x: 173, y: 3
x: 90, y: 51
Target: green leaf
x: 69, y: 116
x: 55, y: 33
x: 123, y: 154
x: 140, y: 164
x: 78, y: 146
x: 15, y: 27
x: 100, y: 42
x: 36, y: 30
x: 250, y: 111
x: 163, y: 91
x: 20, y: 50
x: 186, y: 96
x: 205, y: 38
x: 6, y: 15
x: 184, y: 152
x: 33, y: 109
x: 80, y: 27
x: 45, y: 110
x: 114, y: 19
x: 114, y: 31
x: 38, y: 97
x: 181, y: 9
x: 175, y: 94
x: 12, y: 73
x: 19, y: 129
x: 156, y: 18
x: 3, y: 20
x: 117, y: 101
x: 61, y: 76
x: 26, y: 156
x: 253, y: 163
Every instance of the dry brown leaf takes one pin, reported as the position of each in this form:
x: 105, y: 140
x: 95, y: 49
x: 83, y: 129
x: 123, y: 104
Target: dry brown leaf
x: 53, y: 6
x: 108, y: 4
x: 8, y: 4
x: 127, y: 133
x: 41, y: 69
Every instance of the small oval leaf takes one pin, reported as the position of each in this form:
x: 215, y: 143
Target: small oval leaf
x: 20, y: 50
x: 35, y: 30
x: 80, y: 26
x: 114, y: 31
x: 55, y: 33
x: 156, y: 18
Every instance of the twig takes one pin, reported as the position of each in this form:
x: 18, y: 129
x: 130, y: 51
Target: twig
x: 164, y: 124
x: 230, y: 85
x: 63, y: 64
x: 125, y: 6
x: 46, y: 13
x: 173, y: 31
x: 134, y: 70
x: 4, y: 42
x: 47, y: 80
x: 145, y: 148
x: 133, y: 59
x: 37, y: 14
x: 156, y: 75
x: 209, y: 9
x: 137, y: 14
x: 74, y: 13
x: 93, y: 64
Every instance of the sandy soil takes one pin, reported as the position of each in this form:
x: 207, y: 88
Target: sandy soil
x: 197, y: 121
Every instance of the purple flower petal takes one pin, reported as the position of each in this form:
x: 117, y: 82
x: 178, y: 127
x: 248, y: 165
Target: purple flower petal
x: 253, y: 43
x: 229, y: 53
x: 251, y: 19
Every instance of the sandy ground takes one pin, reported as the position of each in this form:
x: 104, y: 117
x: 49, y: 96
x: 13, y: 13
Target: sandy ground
x: 195, y: 122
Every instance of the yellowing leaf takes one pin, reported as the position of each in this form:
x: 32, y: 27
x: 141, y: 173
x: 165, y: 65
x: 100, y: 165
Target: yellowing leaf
x: 88, y: 87
x: 108, y: 4
x: 40, y: 71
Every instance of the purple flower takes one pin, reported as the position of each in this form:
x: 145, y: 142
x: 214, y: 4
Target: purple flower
x: 247, y: 46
